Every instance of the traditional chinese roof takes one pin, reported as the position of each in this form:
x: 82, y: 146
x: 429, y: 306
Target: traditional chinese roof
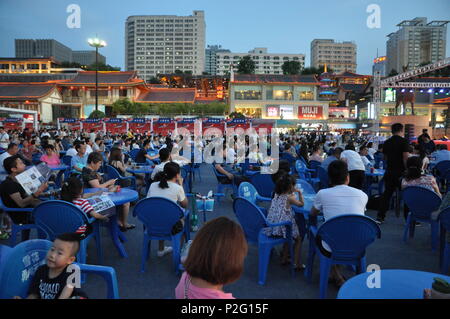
x: 166, y: 95
x: 24, y: 91
x: 275, y: 78
x: 347, y: 74
x: 105, y: 78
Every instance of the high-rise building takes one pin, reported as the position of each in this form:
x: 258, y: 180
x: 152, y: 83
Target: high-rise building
x: 339, y: 56
x: 165, y: 43
x: 211, y: 58
x: 379, y: 65
x: 265, y: 63
x: 87, y: 57
x: 30, y: 48
x: 416, y: 42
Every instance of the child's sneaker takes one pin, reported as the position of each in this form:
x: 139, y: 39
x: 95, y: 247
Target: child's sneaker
x: 167, y: 250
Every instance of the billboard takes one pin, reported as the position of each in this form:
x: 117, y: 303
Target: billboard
x: 313, y: 112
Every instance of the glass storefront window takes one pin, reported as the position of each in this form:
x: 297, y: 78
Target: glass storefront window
x: 304, y: 93
x: 280, y: 93
x: 249, y: 92
x: 253, y: 112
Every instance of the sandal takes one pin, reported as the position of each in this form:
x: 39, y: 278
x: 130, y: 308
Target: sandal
x: 122, y: 229
x: 130, y: 226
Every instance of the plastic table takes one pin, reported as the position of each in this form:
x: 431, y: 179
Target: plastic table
x: 394, y: 284
x: 118, y: 198
x: 377, y: 172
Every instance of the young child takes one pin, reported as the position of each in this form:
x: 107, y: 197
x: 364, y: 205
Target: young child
x: 72, y: 192
x: 280, y: 211
x: 50, y: 280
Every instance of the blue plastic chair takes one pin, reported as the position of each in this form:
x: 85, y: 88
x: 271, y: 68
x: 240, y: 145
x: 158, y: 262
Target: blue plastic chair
x: 113, y: 173
x: 305, y: 173
x: 444, y: 220
x: 249, y: 192
x: 253, y: 222
x: 158, y: 216
x: 306, y: 187
x: 263, y: 184
x: 16, y: 228
x: 55, y: 217
x: 36, y: 158
x: 67, y: 160
x: 314, y: 165
x: 441, y: 168
x: 20, y: 263
x: 348, y: 237
x: 421, y: 203
x: 288, y: 157
x: 133, y: 153
x: 221, y: 186
x: 322, y: 174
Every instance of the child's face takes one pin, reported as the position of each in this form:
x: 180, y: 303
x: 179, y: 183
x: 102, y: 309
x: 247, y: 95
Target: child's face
x: 60, y: 255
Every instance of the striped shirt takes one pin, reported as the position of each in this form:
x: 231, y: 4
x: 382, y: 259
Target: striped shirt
x: 84, y: 205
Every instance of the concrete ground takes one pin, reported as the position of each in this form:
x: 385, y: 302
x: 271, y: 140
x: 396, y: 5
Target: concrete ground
x: 159, y: 282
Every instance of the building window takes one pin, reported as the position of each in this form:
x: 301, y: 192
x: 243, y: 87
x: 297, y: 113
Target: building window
x: 279, y: 93
x: 248, y: 92
x: 305, y: 93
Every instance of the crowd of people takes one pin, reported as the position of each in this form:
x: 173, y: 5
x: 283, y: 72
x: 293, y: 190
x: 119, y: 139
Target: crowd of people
x: 218, y: 251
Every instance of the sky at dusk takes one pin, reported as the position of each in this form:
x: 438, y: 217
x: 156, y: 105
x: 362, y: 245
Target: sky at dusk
x: 282, y: 26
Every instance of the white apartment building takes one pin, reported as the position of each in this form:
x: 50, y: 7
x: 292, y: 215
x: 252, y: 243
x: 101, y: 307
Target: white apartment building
x: 165, y: 43
x: 266, y: 63
x: 339, y: 56
x: 416, y: 42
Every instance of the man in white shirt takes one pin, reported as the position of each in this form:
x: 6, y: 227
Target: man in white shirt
x: 340, y: 199
x: 356, y: 168
x: 4, y: 138
x: 363, y: 152
x: 11, y: 150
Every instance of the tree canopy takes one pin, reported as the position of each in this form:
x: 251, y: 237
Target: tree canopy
x: 246, y: 65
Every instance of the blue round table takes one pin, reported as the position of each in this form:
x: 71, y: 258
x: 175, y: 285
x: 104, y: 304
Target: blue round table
x: 118, y: 198
x: 145, y: 169
x: 394, y: 284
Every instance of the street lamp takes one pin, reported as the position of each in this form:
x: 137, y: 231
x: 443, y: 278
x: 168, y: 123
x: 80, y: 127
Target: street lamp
x: 96, y: 43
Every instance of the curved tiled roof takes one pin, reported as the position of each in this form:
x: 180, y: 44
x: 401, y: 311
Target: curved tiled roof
x: 88, y: 77
x: 167, y: 95
x: 24, y: 91
x: 275, y: 78
x: 347, y: 74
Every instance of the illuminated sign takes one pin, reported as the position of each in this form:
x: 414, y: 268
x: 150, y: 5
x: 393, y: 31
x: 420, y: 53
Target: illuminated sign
x: 314, y: 112
x: 273, y: 111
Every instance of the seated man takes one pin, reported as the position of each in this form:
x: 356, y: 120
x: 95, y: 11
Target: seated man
x: 340, y: 199
x: 79, y: 161
x: 142, y: 156
x: 332, y: 157
x: 14, y: 196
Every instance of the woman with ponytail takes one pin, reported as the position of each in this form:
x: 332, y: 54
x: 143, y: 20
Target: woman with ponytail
x: 169, y: 184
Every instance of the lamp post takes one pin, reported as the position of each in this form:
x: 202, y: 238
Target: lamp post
x: 96, y: 43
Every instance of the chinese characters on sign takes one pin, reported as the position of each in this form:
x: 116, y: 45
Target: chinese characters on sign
x: 310, y: 112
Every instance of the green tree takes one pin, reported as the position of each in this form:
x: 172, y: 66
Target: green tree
x: 236, y: 115
x: 97, y: 115
x: 291, y: 67
x: 246, y: 65
x: 177, y: 71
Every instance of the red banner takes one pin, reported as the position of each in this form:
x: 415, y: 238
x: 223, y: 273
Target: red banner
x: 313, y: 112
x: 93, y: 126
x: 220, y: 126
x: 163, y: 128
x: 140, y: 127
x: 116, y: 128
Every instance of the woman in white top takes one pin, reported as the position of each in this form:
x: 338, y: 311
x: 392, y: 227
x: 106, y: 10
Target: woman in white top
x: 169, y: 184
